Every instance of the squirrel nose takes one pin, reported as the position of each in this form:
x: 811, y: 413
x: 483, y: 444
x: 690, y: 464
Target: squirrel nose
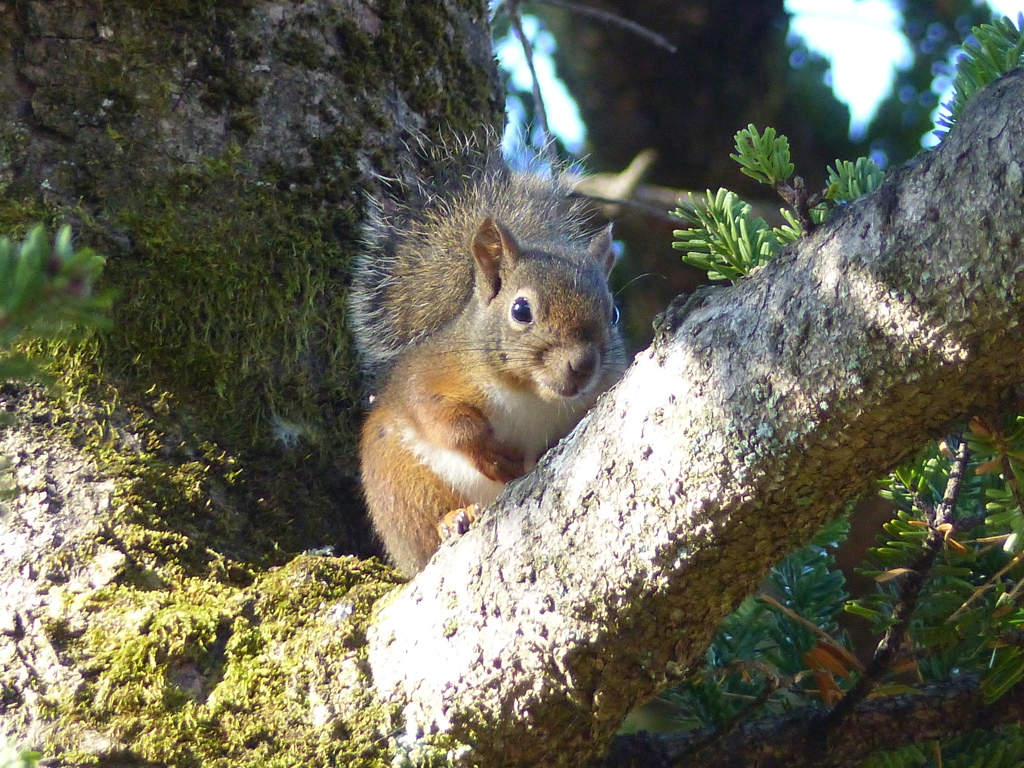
x: 581, y: 364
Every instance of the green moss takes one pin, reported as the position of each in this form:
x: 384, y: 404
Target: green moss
x: 358, y: 54
x: 232, y: 297
x: 209, y: 243
x: 424, y: 56
x: 297, y: 49
x: 20, y: 215
x: 175, y: 11
x: 209, y: 674
x: 236, y: 296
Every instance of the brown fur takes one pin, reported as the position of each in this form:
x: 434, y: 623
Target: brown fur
x: 470, y: 394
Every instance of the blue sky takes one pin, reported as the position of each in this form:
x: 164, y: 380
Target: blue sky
x: 844, y: 31
x: 861, y: 39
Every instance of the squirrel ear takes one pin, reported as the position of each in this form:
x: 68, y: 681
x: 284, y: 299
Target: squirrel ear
x: 601, y: 250
x: 493, y: 246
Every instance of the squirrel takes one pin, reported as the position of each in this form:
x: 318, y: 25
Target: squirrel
x: 483, y: 315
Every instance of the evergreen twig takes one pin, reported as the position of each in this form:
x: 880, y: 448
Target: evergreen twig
x: 799, y: 200
x: 772, y: 683
x: 939, y: 518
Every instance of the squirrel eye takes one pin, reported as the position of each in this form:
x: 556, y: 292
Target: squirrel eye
x: 521, y: 311
x: 615, y: 315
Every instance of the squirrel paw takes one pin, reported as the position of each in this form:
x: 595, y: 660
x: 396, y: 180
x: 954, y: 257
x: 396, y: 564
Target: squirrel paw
x: 457, y: 522
x: 502, y: 463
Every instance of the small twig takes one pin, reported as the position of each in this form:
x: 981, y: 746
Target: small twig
x: 515, y: 17
x: 889, y: 647
x: 969, y: 523
x: 796, y: 197
x: 772, y: 683
x: 824, y: 636
x: 986, y: 586
x: 645, y: 208
x: 612, y: 18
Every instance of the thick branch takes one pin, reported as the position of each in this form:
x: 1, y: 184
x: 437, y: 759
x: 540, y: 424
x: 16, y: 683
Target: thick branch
x: 602, y: 576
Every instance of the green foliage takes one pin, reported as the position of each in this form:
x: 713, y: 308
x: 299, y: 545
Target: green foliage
x: 46, y: 292
x: 848, y: 181
x: 1004, y: 447
x: 907, y: 757
x: 726, y: 241
x: 999, y: 49
x: 13, y: 757
x: 767, y: 641
x: 1003, y: 748
x: 763, y: 157
x: 966, y: 609
x: 1005, y: 670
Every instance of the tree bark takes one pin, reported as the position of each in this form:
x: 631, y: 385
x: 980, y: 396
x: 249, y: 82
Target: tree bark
x: 218, y: 154
x: 602, y: 576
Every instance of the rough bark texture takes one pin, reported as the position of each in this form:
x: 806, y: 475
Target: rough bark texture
x: 603, y: 575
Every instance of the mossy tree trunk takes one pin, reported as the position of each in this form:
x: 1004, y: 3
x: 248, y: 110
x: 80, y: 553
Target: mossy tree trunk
x: 216, y: 153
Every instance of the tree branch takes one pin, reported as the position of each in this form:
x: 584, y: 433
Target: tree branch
x: 941, y: 710
x: 910, y: 589
x: 601, y: 577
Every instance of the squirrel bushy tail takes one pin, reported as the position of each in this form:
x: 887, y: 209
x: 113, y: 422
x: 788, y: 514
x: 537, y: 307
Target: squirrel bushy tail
x: 415, y: 272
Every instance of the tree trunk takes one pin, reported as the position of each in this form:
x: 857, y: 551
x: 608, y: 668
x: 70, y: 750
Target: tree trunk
x: 217, y: 154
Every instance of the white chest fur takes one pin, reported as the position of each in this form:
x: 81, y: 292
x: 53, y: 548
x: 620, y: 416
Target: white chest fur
x: 522, y: 419
x: 531, y: 423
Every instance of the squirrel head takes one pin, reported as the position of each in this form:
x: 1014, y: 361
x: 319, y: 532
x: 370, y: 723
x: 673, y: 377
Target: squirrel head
x: 548, y: 319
